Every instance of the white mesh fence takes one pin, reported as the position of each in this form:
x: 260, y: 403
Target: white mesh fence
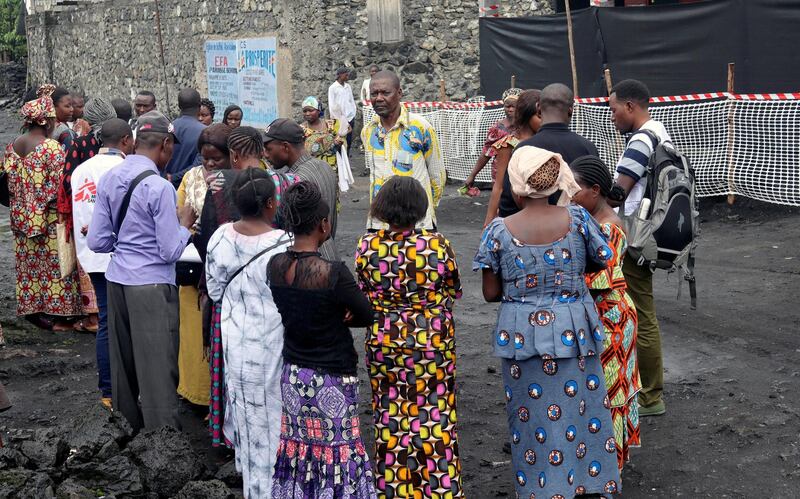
x: 747, y: 147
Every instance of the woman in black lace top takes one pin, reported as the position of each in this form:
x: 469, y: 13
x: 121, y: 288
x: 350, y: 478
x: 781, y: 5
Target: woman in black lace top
x: 321, y: 451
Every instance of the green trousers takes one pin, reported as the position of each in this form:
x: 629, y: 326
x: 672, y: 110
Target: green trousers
x: 648, y: 337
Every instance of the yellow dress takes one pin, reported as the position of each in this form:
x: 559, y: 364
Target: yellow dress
x: 193, y: 370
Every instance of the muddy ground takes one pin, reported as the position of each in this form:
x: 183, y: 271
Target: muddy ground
x: 732, y: 427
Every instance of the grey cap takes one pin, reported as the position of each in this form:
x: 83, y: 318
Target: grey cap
x: 284, y: 130
x: 155, y: 122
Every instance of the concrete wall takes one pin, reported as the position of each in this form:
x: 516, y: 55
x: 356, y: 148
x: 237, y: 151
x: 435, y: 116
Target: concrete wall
x: 110, y: 48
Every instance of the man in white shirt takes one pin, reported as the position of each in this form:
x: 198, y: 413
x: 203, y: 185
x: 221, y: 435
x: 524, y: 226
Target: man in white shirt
x: 364, y: 95
x: 629, y: 102
x: 117, y: 142
x: 341, y: 104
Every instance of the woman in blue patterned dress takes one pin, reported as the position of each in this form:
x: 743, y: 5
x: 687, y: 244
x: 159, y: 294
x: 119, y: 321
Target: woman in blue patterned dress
x: 548, y: 334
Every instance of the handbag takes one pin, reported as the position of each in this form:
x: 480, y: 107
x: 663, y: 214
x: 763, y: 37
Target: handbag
x: 189, y: 267
x: 67, y: 259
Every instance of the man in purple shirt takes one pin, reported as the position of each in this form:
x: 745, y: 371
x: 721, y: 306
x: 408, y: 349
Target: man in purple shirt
x: 146, y: 240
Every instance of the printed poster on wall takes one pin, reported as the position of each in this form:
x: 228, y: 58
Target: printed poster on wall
x: 244, y: 72
x: 258, y: 85
x: 222, y: 73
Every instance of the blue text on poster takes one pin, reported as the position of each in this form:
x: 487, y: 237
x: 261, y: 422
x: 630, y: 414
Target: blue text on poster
x: 222, y: 72
x: 258, y: 85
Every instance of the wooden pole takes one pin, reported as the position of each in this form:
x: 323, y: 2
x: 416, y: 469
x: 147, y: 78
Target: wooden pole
x: 609, y: 84
x: 731, y: 168
x: 513, y: 81
x: 161, y: 52
x: 571, y: 50
x: 442, y: 93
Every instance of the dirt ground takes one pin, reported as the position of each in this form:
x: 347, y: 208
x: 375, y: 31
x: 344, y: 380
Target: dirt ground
x: 732, y: 427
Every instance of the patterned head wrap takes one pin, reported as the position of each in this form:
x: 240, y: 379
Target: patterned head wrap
x: 511, y: 94
x: 97, y: 111
x: 38, y: 111
x: 538, y: 173
x: 312, y: 101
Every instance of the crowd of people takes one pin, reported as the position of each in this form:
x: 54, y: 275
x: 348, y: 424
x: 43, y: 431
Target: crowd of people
x: 204, y: 258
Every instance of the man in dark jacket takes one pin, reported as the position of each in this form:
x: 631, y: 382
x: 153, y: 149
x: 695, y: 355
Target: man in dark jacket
x: 555, y: 107
x: 187, y: 129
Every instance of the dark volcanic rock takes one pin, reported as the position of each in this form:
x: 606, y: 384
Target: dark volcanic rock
x: 98, y: 430
x: 46, y: 449
x: 166, y: 460
x: 118, y: 476
x: 70, y: 489
x: 213, y: 489
x: 25, y: 484
x: 47, y: 366
x: 228, y: 474
x: 12, y: 458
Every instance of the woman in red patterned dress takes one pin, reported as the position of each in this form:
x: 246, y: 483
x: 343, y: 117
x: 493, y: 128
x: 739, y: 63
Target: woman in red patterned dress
x: 33, y: 164
x: 614, y: 305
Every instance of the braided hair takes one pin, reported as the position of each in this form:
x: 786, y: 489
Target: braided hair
x: 208, y: 104
x: 592, y: 171
x: 302, y: 208
x: 252, y: 189
x: 246, y: 141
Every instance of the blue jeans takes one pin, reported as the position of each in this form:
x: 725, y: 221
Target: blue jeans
x: 101, y: 340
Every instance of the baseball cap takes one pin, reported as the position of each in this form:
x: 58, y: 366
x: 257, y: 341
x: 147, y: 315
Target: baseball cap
x: 155, y: 122
x: 284, y: 130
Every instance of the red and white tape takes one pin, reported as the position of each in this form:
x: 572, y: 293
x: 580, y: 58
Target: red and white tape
x: 603, y: 100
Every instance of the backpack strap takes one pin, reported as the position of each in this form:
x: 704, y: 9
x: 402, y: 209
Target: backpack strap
x: 651, y: 135
x: 123, y: 209
x: 692, y: 281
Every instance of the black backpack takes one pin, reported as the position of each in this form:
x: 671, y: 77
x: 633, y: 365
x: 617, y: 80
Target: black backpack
x: 664, y: 236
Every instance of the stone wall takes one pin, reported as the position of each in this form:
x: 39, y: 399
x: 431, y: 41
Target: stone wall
x: 110, y: 48
x: 12, y: 82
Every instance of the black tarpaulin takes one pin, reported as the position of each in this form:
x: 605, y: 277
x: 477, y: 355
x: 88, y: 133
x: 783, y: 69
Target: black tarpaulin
x: 675, y: 49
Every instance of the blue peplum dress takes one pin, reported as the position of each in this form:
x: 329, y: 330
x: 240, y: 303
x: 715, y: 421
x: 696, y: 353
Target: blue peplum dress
x: 549, y: 338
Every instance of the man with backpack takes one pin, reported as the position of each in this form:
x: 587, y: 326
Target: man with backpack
x: 629, y: 102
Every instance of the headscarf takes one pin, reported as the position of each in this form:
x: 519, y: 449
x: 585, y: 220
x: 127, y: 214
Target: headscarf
x: 97, y: 111
x: 312, y: 101
x: 39, y: 110
x: 511, y: 94
x: 534, y: 175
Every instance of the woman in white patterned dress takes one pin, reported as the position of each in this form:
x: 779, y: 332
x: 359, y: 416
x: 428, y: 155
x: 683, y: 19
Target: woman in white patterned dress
x: 252, y: 332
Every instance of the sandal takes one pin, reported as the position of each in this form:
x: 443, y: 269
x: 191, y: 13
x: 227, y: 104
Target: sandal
x: 62, y: 327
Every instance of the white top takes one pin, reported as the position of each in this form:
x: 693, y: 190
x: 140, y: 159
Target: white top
x: 341, y: 104
x: 252, y: 348
x: 364, y: 95
x: 84, y: 194
x: 635, y: 158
